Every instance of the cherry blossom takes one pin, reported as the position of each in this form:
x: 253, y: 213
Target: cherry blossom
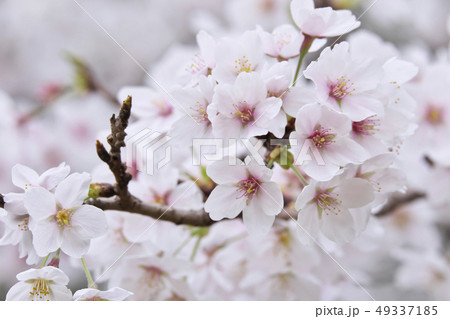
x: 327, y: 132
x: 61, y: 220
x: 378, y: 171
x: 236, y: 56
x: 17, y: 220
x: 203, y: 62
x: 156, y: 108
x: 278, y: 78
x: 242, y: 109
x: 324, y: 206
x: 25, y: 177
x: 314, y: 175
x: 245, y: 188
x: 283, y: 43
x: 162, y: 278
x: 45, y: 284
x: 346, y: 85
x: 196, y: 101
x: 90, y: 294
x: 163, y: 188
x: 322, y: 22
x: 126, y: 232
x: 17, y: 232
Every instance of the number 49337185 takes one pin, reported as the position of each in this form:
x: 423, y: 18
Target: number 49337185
x: 407, y: 310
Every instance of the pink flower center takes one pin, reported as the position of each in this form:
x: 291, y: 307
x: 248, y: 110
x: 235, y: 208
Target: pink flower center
x: 244, y: 113
x: 279, y: 93
x: 268, y: 6
x: 153, y: 271
x: 164, y: 108
x: 341, y: 88
x: 434, y: 115
x: 160, y: 199
x: 197, y: 64
x: 328, y: 202
x: 153, y: 276
x: 366, y: 127
x: 282, y: 39
x: 247, y: 188
x: 322, y: 137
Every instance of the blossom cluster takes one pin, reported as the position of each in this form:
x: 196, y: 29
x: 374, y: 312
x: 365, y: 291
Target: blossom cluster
x: 317, y: 134
x: 353, y: 113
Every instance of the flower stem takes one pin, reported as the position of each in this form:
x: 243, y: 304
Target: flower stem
x: 196, y: 246
x: 183, y: 244
x: 302, y: 179
x: 91, y: 282
x: 55, y: 260
x: 270, y: 164
x: 45, y: 261
x: 306, y: 45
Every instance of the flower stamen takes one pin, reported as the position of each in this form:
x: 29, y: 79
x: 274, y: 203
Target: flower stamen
x: 197, y: 64
x: 201, y: 114
x: 63, y: 217
x: 23, y: 224
x: 247, y: 188
x: 40, y: 290
x: 244, y: 113
x: 328, y: 202
x: 368, y: 126
x: 242, y: 65
x: 322, y: 137
x: 341, y: 88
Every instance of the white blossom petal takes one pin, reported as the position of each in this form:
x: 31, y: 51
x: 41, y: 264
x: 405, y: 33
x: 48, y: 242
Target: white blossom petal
x: 355, y: 192
x: 338, y: 227
x: 222, y: 172
x: 255, y: 220
x: 73, y: 243
x: 91, y: 220
x: 23, y: 175
x: 40, y: 203
x: 270, y: 198
x: 223, y: 202
x: 73, y: 190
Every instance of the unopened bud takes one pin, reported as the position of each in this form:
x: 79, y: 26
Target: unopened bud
x: 101, y: 190
x: 282, y: 156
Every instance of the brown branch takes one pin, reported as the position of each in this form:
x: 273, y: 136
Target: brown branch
x: 113, y: 158
x: 200, y: 218
x: 397, y: 201
x: 124, y: 200
x: 197, y: 218
x: 2, y: 201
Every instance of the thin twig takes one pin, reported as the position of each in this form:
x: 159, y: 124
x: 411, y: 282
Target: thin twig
x: 89, y: 82
x: 113, y: 158
x: 398, y: 201
x: 2, y: 201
